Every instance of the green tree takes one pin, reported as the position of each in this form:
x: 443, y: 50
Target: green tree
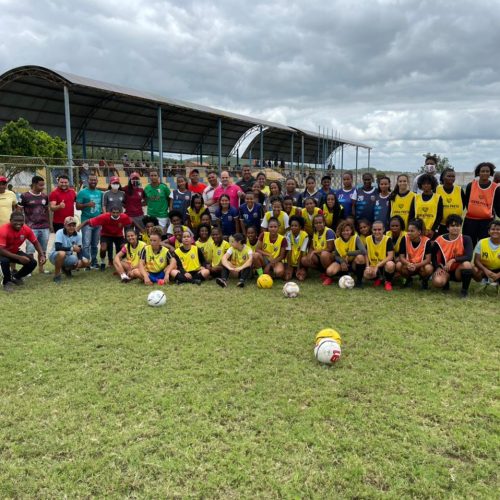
x: 20, y: 139
x: 442, y: 162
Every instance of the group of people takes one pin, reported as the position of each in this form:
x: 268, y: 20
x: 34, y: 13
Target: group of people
x: 195, y: 232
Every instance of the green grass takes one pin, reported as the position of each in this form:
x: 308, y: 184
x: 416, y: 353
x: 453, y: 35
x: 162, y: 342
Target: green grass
x: 217, y: 394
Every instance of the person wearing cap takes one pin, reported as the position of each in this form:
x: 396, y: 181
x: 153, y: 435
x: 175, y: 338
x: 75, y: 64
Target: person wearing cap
x: 12, y: 236
x: 112, y: 225
x: 114, y: 197
x: 430, y: 168
x: 89, y: 201
x: 195, y: 186
x: 62, y: 202
x: 135, y: 200
x: 8, y: 201
x: 66, y: 254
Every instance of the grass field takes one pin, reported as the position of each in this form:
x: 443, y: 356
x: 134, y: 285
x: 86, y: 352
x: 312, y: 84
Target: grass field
x: 217, y: 394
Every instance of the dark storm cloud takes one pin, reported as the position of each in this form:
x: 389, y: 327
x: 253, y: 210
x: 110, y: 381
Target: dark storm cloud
x: 405, y: 76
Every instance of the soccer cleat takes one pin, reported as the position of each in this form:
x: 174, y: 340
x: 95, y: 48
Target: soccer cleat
x: 388, y: 286
x: 327, y: 281
x: 197, y: 282
x: 102, y: 267
x: 221, y: 282
x: 67, y: 272
x: 464, y: 294
x: 17, y: 281
x: 159, y: 282
x: 377, y: 282
x: 57, y: 279
x: 241, y: 284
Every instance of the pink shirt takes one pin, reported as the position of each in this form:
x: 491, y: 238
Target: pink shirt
x: 232, y: 191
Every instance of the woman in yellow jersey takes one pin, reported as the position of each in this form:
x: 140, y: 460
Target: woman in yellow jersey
x: 415, y: 255
x: 204, y: 241
x: 252, y: 238
x: 309, y: 213
x: 219, y: 248
x: 452, y: 256
x: 379, y: 257
x: 149, y: 223
x: 428, y: 205
x: 194, y: 213
x: 175, y: 241
x: 191, y: 263
x: 321, y: 246
x: 289, y: 208
x: 487, y: 256
x: 156, y: 262
x: 297, y: 243
x: 364, y: 230
x: 272, y: 249
x: 333, y: 211
x: 237, y: 261
x: 403, y: 200
x: 349, y: 255
x: 396, y: 233
x: 176, y: 220
x: 128, y: 257
x: 278, y: 214
x: 453, y: 197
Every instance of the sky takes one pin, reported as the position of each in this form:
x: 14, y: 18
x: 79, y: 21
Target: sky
x: 405, y: 77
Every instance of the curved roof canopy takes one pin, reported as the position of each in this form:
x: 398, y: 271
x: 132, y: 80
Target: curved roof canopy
x: 113, y: 116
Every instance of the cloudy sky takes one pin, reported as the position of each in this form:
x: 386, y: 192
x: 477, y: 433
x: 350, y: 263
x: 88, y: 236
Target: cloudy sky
x: 406, y: 77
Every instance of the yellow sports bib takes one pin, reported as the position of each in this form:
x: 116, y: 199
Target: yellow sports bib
x: 376, y: 252
x: 190, y: 261
x: 296, y: 245
x: 426, y: 210
x: 396, y: 244
x: 195, y: 217
x: 218, y: 252
x: 344, y: 247
x: 134, y: 254
x: 156, y: 262
x: 274, y: 249
x: 489, y: 258
x: 308, y: 220
x: 319, y: 241
x: 239, y: 257
x: 281, y: 219
x: 401, y: 206
x: 328, y: 216
x: 452, y: 203
x: 206, y: 248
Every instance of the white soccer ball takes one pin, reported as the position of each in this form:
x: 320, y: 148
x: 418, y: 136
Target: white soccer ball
x: 346, y: 281
x: 291, y: 290
x: 327, y: 351
x: 157, y: 298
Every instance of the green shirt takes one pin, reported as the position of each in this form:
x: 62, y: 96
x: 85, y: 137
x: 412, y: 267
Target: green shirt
x: 157, y: 200
x: 87, y: 195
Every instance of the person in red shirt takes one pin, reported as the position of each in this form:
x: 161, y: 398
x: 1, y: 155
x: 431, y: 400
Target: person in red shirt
x: 112, y: 225
x: 135, y: 200
x: 62, y: 202
x: 12, y: 236
x: 195, y: 186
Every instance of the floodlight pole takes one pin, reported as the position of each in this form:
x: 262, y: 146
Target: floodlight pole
x: 341, y: 165
x: 369, y: 151
x: 356, y: 181
x: 219, y: 144
x: 67, y: 119
x: 160, y: 142
x: 261, y: 147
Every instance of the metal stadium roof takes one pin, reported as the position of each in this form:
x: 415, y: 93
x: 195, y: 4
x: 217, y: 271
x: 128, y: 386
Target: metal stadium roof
x: 108, y: 115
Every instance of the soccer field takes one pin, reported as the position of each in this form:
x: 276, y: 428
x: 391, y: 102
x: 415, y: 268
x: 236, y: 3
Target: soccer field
x: 217, y: 394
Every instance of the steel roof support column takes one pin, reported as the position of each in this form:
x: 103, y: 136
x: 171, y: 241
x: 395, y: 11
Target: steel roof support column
x: 369, y: 151
x: 302, y: 152
x: 219, y: 144
x: 291, y: 155
x: 356, y: 181
x: 160, y: 142
x: 261, y: 147
x: 341, y: 166
x: 84, y: 145
x: 69, y: 148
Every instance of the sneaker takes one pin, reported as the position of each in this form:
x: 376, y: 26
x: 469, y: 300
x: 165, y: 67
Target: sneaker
x: 323, y: 276
x: 57, y: 279
x: 241, y: 284
x: 221, y: 282
x: 377, y: 282
x: 425, y: 285
x: 102, y: 267
x: 67, y: 272
x: 95, y: 266
x: 125, y: 279
x: 17, y: 281
x: 8, y: 287
x: 388, y: 286
x: 327, y: 281
x: 159, y: 282
x: 197, y: 282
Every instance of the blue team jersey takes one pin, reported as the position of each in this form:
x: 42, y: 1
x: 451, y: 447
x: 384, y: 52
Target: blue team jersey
x: 251, y: 217
x: 227, y: 220
x: 381, y: 209
x: 346, y: 199
x: 365, y: 204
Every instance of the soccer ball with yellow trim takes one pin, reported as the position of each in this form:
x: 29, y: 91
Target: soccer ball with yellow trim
x: 264, y: 281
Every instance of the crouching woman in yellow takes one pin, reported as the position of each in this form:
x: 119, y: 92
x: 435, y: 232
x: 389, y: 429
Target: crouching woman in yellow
x: 238, y: 261
x: 379, y: 257
x: 156, y: 263
x: 127, y: 259
x: 487, y: 256
x: 191, y: 263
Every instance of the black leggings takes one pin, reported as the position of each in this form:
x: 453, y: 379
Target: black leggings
x: 477, y: 229
x: 24, y: 271
x: 243, y: 275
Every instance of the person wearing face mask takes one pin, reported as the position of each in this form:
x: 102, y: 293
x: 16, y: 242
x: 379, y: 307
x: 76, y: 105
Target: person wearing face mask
x: 135, y: 200
x: 430, y: 168
x: 114, y: 197
x: 112, y: 226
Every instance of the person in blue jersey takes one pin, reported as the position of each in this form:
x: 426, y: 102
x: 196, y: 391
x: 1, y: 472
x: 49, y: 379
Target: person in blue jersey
x: 324, y: 190
x: 291, y: 190
x: 180, y: 198
x: 365, y: 199
x: 347, y: 194
x: 227, y: 217
x: 251, y: 213
x: 382, y: 207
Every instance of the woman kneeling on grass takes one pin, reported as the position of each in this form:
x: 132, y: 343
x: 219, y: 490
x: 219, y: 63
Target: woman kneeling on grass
x: 272, y: 250
x: 487, y: 256
x: 127, y: 259
x: 415, y: 255
x: 349, y: 253
x: 156, y: 262
x: 297, y: 243
x: 191, y: 263
x: 237, y: 261
x: 379, y: 257
x: 451, y: 257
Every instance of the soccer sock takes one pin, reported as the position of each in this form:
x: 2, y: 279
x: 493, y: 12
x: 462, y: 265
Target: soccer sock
x: 123, y: 276
x: 260, y: 271
x: 466, y: 278
x: 360, y: 269
x: 388, y: 276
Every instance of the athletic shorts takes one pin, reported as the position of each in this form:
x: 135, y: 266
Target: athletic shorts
x: 154, y: 277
